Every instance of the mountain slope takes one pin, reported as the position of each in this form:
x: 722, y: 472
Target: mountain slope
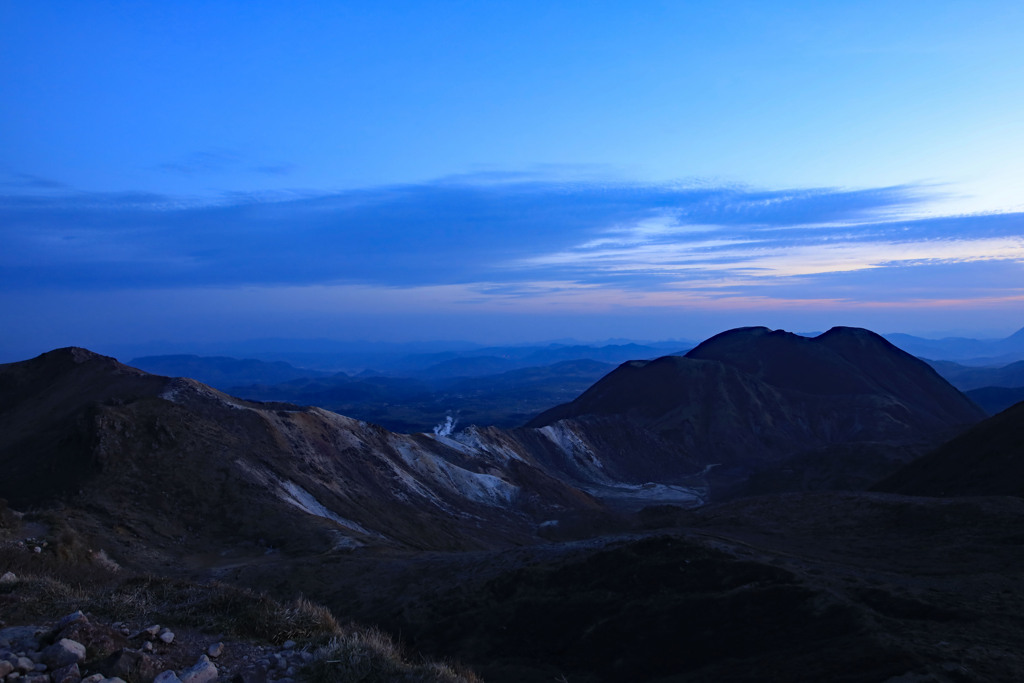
x: 965, y: 378
x: 994, y: 400
x: 835, y: 410
x: 48, y: 407
x: 169, y: 459
x: 986, y: 460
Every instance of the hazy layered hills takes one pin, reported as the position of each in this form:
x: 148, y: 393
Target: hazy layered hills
x: 993, y: 388
x: 964, y: 350
x: 454, y: 360
x: 419, y: 391
x: 222, y: 371
x: 408, y: 404
x: 836, y: 411
x: 408, y: 389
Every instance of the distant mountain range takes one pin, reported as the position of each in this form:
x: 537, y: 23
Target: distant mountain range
x: 501, y: 386
x: 429, y: 360
x: 416, y: 387
x: 750, y: 407
x: 963, y: 350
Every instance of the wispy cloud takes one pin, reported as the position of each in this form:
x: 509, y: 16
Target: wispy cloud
x: 203, y: 162
x: 27, y: 181
x: 520, y: 238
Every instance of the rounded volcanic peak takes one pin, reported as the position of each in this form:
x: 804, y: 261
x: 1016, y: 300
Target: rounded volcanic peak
x: 784, y: 360
x: 74, y: 373
x: 849, y: 340
x: 893, y: 371
x: 647, y: 389
x: 57, y: 361
x: 986, y: 460
x: 48, y: 406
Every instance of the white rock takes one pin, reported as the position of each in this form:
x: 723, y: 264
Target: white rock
x: 95, y: 678
x: 204, y: 671
x: 167, y: 677
x: 215, y: 650
x: 72, y: 618
x: 167, y: 636
x: 62, y: 653
x: 69, y: 674
x: 8, y: 577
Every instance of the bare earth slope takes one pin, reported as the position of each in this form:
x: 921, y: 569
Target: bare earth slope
x: 172, y: 458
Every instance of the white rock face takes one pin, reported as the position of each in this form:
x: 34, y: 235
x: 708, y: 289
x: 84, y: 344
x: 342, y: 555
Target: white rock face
x: 62, y: 653
x: 204, y: 671
x: 167, y: 677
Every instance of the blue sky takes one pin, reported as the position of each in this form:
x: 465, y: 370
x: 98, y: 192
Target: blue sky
x: 507, y: 171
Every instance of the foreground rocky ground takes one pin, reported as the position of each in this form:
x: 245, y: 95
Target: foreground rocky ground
x: 77, y: 649
x: 70, y: 614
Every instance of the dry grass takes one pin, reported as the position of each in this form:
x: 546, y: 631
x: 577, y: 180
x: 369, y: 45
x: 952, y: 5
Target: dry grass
x: 344, y: 653
x: 53, y: 583
x: 369, y: 656
x: 209, y: 607
x: 67, y: 576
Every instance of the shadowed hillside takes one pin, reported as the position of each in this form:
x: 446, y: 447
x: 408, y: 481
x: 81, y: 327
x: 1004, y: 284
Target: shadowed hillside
x: 986, y: 460
x: 836, y: 411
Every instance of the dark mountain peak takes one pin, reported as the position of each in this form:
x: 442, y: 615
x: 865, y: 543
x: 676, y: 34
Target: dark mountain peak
x: 854, y: 332
x: 1017, y: 336
x: 73, y: 355
x: 784, y: 359
x: 851, y: 338
x: 54, y: 371
x: 48, y: 410
x: 730, y: 338
x: 76, y: 353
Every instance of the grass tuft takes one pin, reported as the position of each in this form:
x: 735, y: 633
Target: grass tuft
x: 370, y: 656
